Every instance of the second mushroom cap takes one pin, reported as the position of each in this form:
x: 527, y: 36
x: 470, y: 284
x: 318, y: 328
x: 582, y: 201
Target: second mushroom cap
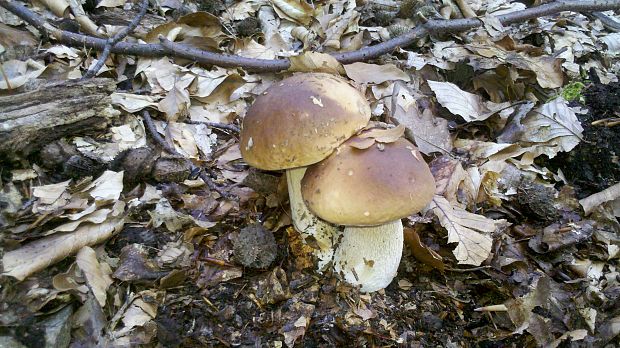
x: 372, y: 186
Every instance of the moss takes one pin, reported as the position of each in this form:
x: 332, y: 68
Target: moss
x: 572, y: 91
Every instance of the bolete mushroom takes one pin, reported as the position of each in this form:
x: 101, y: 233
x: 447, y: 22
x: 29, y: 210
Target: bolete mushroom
x: 297, y: 122
x: 369, y: 189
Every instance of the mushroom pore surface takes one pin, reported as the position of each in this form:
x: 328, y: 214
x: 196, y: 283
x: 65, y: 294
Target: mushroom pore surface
x: 367, y: 187
x: 301, y: 120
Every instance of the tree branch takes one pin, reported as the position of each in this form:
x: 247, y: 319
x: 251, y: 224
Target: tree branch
x: 111, y: 42
x: 264, y: 65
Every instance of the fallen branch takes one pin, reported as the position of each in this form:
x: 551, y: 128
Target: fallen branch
x: 111, y: 42
x: 223, y: 126
x: 265, y: 65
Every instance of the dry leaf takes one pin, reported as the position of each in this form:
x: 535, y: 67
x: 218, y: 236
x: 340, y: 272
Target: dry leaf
x: 365, y: 73
x: 206, y: 81
x: 111, y: 3
x: 384, y: 135
x: 471, y: 231
x: 612, y: 41
x: 97, y: 274
x: 251, y: 49
x: 176, y: 104
x: 293, y: 10
x: 316, y: 62
x: 50, y: 194
x: 35, y: 256
x: 107, y: 187
x: 364, y: 312
x: 15, y: 73
x: 553, y: 125
x: 467, y: 105
x: 133, y: 102
x: 422, y: 252
x: 360, y: 143
x: 337, y: 19
x: 58, y: 7
x: 201, y: 30
x: 609, y: 194
x: 430, y: 133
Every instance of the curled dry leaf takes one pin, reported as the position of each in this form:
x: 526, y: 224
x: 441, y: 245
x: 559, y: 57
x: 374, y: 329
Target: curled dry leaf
x: 50, y: 194
x: 609, y: 194
x: 35, y: 256
x: 297, y: 11
x: 199, y: 29
x: 97, y: 274
x: 337, y: 19
x: 361, y: 143
x: 15, y: 73
x: 384, y: 135
x: 471, y: 231
x: 457, y: 185
x: 422, y: 252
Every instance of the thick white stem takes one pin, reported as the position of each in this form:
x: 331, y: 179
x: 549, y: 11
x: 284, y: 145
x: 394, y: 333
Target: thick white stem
x: 318, y: 233
x: 369, y: 256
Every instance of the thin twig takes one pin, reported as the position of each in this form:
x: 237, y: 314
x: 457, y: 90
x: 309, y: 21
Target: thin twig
x: 111, y: 42
x: 265, y: 65
x: 170, y: 149
x: 463, y: 270
x: 229, y: 127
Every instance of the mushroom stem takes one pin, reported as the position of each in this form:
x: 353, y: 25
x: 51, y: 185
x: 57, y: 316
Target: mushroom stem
x: 369, y: 256
x: 323, y: 234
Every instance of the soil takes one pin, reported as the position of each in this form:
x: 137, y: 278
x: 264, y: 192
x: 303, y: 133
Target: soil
x: 594, y: 164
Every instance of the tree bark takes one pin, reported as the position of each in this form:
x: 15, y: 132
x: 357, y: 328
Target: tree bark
x: 30, y: 119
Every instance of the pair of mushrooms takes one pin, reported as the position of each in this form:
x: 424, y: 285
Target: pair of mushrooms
x: 313, y: 125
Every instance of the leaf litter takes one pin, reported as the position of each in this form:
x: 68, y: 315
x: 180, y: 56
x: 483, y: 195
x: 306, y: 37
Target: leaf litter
x: 135, y: 249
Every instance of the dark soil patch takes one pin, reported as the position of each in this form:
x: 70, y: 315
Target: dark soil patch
x: 593, y: 165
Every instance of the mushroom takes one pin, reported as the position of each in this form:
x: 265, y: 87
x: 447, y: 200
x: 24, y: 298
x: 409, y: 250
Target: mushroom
x: 369, y: 188
x: 297, y: 122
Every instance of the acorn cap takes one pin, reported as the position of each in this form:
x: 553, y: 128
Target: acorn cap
x: 371, y: 186
x: 301, y: 120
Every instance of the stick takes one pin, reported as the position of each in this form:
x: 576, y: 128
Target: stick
x: 228, y: 127
x: 111, y: 42
x: 273, y: 65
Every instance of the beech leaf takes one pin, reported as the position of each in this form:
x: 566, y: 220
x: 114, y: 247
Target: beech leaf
x: 467, y: 105
x: 471, y: 231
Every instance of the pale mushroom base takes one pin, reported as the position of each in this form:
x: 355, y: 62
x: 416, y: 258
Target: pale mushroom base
x: 322, y: 234
x: 369, y: 256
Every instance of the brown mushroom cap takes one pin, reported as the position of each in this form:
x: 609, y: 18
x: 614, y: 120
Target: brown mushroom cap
x: 369, y: 187
x: 301, y: 120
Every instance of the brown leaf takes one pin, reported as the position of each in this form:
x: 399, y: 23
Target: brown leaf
x: 364, y: 73
x: 422, y: 252
x: 360, y: 143
x: 384, y: 135
x: 294, y: 10
x: 317, y: 62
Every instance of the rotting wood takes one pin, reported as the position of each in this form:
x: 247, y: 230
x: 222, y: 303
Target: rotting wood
x: 33, y: 118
